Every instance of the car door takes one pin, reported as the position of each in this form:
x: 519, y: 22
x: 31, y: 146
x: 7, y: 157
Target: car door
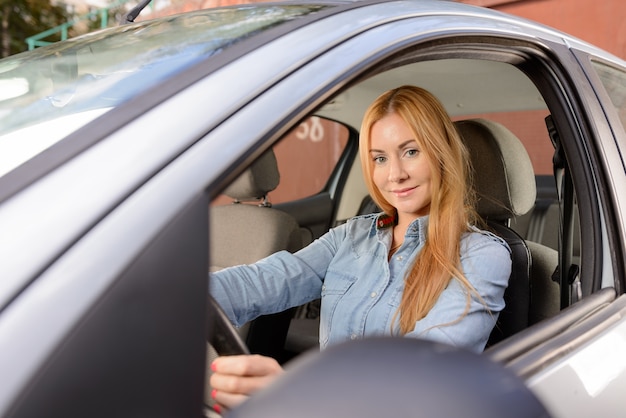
x: 588, y: 378
x: 573, y: 107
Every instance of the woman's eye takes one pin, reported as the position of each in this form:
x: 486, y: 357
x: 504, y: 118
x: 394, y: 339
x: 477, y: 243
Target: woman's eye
x: 379, y: 159
x: 412, y: 152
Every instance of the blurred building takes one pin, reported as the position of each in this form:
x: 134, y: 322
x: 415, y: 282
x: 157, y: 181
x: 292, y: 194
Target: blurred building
x: 602, y: 23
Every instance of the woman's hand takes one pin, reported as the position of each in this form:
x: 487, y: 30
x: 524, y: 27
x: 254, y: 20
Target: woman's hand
x: 235, y: 378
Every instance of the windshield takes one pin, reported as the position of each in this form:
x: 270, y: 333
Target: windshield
x: 50, y: 92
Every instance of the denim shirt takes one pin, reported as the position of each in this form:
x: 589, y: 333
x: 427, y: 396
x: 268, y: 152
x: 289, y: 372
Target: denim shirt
x: 361, y: 287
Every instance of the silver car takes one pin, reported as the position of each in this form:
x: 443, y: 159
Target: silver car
x: 118, y: 152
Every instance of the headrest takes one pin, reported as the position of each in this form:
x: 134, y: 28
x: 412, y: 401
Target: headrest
x: 259, y: 179
x: 504, y: 178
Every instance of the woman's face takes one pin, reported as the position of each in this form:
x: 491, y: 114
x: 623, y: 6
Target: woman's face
x: 400, y: 171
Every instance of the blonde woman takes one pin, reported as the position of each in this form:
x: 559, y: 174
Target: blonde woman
x: 420, y: 269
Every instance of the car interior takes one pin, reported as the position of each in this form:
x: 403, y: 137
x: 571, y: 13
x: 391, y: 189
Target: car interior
x: 510, y: 132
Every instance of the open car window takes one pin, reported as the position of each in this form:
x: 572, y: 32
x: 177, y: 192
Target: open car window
x: 307, y: 158
x: 508, y: 97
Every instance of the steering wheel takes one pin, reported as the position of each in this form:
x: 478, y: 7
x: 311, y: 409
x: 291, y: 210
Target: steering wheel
x: 222, y: 340
x: 221, y: 334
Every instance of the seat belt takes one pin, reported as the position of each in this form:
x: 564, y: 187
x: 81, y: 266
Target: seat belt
x: 567, y: 273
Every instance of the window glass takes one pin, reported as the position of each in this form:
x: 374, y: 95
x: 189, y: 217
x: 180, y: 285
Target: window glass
x: 306, y: 158
x: 614, y: 82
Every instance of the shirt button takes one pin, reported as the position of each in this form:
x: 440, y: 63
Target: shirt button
x: 353, y: 337
x: 373, y: 294
x: 399, y: 258
x: 323, y: 288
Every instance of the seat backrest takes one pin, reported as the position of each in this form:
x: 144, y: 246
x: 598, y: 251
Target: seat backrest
x: 505, y: 185
x: 248, y: 230
x: 503, y: 173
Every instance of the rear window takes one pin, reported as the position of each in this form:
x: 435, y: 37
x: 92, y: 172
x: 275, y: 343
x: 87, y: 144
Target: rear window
x: 307, y: 157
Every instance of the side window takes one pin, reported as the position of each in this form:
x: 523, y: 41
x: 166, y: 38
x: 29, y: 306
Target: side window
x: 614, y: 81
x: 306, y: 158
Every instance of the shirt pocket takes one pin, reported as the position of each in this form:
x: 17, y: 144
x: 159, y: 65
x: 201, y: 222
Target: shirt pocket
x: 335, y: 287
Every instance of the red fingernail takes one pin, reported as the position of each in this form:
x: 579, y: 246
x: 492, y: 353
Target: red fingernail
x: 217, y: 408
x: 213, y: 367
x: 213, y: 393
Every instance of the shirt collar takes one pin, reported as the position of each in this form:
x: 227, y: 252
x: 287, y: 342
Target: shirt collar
x: 386, y: 221
x: 418, y: 227
x: 383, y: 221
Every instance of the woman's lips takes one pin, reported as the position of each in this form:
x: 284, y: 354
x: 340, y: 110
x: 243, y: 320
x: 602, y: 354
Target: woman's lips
x: 403, y: 192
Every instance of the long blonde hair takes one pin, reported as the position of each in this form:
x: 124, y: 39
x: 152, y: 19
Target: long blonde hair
x: 452, y: 200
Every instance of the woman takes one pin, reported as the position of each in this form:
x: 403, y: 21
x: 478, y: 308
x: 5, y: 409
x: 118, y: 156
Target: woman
x: 419, y: 269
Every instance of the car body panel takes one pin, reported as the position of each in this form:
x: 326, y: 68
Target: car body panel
x: 589, y: 379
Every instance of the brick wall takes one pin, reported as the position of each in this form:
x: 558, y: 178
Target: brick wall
x: 602, y: 23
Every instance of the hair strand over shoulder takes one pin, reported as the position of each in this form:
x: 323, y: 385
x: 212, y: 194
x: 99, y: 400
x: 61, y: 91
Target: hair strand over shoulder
x: 452, y: 201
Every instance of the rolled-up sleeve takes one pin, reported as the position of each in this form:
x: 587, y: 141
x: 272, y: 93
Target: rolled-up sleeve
x: 275, y: 283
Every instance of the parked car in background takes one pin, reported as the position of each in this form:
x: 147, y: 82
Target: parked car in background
x: 116, y: 149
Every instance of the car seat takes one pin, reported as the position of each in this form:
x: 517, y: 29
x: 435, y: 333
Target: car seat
x: 504, y: 181
x: 248, y: 230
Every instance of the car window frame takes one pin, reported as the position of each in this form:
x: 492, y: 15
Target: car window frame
x: 546, y: 63
x: 614, y: 153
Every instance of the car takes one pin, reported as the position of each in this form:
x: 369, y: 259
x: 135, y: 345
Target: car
x: 120, y: 149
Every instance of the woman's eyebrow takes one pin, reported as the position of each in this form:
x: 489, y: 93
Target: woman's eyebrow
x: 408, y: 142
x: 402, y: 145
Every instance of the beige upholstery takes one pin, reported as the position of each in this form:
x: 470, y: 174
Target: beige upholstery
x: 257, y: 181
x: 503, y: 173
x: 244, y: 232
x: 545, y: 293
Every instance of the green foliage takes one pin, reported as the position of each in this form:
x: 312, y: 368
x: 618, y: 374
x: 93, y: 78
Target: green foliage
x: 20, y: 19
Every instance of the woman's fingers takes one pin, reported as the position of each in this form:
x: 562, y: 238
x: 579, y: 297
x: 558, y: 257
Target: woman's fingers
x: 234, y: 384
x: 234, y: 378
x: 226, y: 400
x: 246, y: 365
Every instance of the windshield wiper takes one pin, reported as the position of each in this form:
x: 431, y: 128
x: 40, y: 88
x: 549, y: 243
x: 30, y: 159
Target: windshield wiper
x: 132, y: 15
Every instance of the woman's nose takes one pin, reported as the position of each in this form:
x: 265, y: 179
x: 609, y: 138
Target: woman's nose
x: 396, y: 171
